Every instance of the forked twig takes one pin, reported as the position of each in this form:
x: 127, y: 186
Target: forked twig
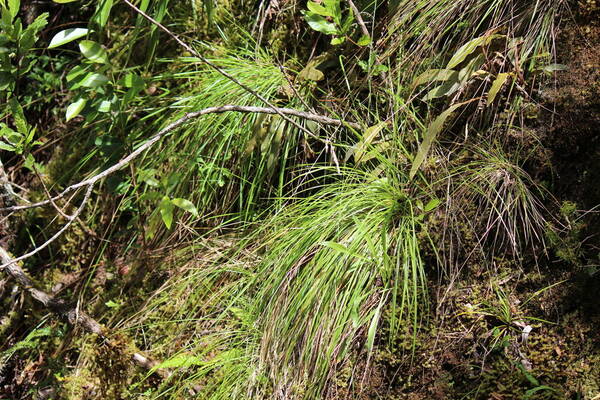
x: 70, y: 218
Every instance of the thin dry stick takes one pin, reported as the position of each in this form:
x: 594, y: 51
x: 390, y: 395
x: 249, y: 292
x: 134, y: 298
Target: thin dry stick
x: 226, y: 74
x: 70, y: 218
x: 146, y: 145
x: 359, y: 19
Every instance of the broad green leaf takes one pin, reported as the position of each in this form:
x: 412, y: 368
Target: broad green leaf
x: 445, y: 89
x: 94, y: 80
x: 66, y: 36
x: 165, y: 208
x: 186, y: 205
x: 364, y: 40
x: 320, y: 24
x: 18, y: 116
x: 93, y: 51
x: 432, y: 205
x: 30, y: 35
x: 64, y: 1
x: 467, y: 49
x: 6, y: 146
x: 13, y: 7
x: 496, y: 86
x: 456, y: 81
x: 76, y: 76
x: 338, y: 40
x: 103, y: 12
x: 334, y: 7
x: 318, y: 9
x: 132, y: 80
x: 105, y: 106
x: 430, y: 135
x: 470, y: 70
x: 75, y: 108
x: 370, y: 134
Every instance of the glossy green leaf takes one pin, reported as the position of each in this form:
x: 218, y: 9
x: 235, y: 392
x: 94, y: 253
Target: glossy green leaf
x: 338, y: 40
x: 320, y: 24
x: 75, y: 108
x: 93, y: 51
x: 94, y: 80
x: 186, y: 205
x: 105, y: 106
x: 66, y: 36
x: 6, y: 146
x: 165, y: 208
x: 364, y: 40
x: 64, y: 1
x: 132, y: 80
x: 13, y: 7
x: 318, y: 9
x: 103, y: 12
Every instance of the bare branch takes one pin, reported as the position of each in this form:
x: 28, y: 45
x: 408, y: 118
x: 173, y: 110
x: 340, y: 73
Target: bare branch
x: 72, y: 315
x: 181, y: 121
x: 359, y: 19
x: 59, y: 307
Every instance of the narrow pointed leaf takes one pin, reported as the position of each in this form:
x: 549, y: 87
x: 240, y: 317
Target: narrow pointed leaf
x: 430, y: 135
x: 496, y: 86
x: 468, y: 48
x: 186, y: 205
x: 433, y: 75
x: 166, y: 211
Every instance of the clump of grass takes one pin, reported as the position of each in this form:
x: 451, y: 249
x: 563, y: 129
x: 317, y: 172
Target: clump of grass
x: 223, y: 163
x: 278, y: 326
x: 419, y: 30
x: 509, y: 212
x: 332, y: 261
